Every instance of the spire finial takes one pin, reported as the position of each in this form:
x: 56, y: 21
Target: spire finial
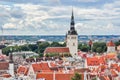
x: 72, y: 17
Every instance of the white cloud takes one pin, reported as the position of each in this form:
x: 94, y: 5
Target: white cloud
x: 33, y: 18
x: 9, y: 26
x: 88, y: 29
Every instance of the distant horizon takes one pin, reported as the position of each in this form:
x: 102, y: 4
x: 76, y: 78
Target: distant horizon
x: 60, y: 35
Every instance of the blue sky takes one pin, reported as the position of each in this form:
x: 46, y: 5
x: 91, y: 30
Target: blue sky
x: 52, y: 17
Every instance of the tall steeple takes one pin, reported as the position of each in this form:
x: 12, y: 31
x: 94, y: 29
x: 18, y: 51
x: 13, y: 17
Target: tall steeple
x: 72, y: 30
x: 72, y: 38
x: 72, y: 19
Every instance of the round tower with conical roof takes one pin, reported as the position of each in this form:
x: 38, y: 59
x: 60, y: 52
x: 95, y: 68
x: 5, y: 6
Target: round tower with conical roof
x: 110, y: 47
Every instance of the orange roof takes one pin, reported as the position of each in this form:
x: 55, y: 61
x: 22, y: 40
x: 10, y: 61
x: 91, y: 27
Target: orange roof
x: 114, y: 66
x: 95, y: 61
x: 46, y: 76
x: 22, y: 70
x: 114, y: 74
x: 4, y: 65
x: 6, y: 75
x: 49, y: 76
x: 64, y: 76
x: 110, y: 43
x: 110, y: 56
x: 57, y: 50
x: 53, y: 64
x: 106, y: 78
x: 103, y: 67
x: 118, y: 69
x: 38, y: 67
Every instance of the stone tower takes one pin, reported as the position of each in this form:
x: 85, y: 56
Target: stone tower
x: 72, y: 38
x: 111, y: 47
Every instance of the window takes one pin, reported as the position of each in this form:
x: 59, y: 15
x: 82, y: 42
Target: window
x: 73, y: 37
x: 73, y: 44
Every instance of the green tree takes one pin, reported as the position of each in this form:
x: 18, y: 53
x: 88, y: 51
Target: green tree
x: 40, y: 54
x: 117, y: 43
x: 83, y: 47
x: 24, y: 48
x: 55, y: 44
x: 42, y: 47
x: 33, y: 47
x: 77, y: 76
x: 99, y: 50
x: 99, y: 47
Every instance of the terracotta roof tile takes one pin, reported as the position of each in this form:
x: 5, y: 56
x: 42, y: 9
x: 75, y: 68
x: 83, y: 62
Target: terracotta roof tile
x: 6, y: 75
x: 95, y: 61
x: 45, y: 76
x: 114, y: 66
x: 49, y: 76
x: 22, y: 70
x: 4, y: 65
x: 113, y: 72
x: 57, y: 50
x: 64, y: 76
x: 41, y: 67
x: 118, y: 69
x: 110, y: 56
x: 110, y: 43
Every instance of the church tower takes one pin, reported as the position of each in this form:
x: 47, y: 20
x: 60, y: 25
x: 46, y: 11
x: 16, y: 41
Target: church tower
x: 72, y: 38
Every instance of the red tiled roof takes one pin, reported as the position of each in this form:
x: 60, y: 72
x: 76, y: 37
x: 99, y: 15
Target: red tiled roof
x: 38, y: 67
x: 113, y: 72
x: 64, y: 76
x: 45, y: 76
x: 118, y: 69
x: 49, y: 76
x: 110, y: 56
x: 6, y: 75
x: 106, y: 78
x: 114, y: 66
x: 110, y: 43
x: 103, y: 67
x: 57, y: 50
x: 4, y: 65
x: 22, y: 70
x: 95, y: 61
x: 52, y: 64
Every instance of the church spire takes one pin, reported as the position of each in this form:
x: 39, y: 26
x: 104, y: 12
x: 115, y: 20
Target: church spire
x: 72, y: 30
x: 72, y: 19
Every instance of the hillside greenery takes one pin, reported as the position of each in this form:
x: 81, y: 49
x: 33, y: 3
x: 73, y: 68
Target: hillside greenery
x: 39, y: 48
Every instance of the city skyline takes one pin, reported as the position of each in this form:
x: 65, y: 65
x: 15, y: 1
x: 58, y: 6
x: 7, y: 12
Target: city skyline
x: 52, y: 17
